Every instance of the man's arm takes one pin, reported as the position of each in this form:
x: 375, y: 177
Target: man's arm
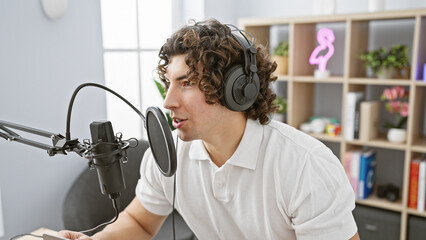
x: 135, y: 222
x: 355, y: 237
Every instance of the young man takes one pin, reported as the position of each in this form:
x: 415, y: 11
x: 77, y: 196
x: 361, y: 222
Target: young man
x: 239, y: 175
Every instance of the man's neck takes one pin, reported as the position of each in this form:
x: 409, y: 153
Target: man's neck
x: 223, y: 144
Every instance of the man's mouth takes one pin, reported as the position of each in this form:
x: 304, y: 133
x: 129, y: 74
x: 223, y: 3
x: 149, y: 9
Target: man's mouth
x: 178, y: 122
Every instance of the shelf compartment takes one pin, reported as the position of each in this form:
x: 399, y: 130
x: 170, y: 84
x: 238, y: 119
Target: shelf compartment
x: 383, y: 174
x: 380, y: 142
x: 332, y: 79
x: 375, y: 81
x: 374, y: 201
x: 277, y: 34
x: 418, y: 133
x: 305, y: 34
x: 419, y: 145
x: 373, y: 34
x: 373, y: 92
x: 307, y: 99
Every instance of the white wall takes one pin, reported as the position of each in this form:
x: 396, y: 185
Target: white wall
x: 41, y: 63
x: 231, y: 11
x: 185, y: 10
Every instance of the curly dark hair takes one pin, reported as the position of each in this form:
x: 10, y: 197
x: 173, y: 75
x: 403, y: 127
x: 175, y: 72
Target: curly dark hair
x: 211, y: 43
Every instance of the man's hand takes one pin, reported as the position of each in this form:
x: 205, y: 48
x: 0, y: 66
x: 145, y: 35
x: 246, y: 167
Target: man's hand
x: 73, y: 235
x: 355, y: 237
x: 134, y: 222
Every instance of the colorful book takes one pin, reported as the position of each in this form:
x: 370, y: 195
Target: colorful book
x: 366, y: 174
x: 414, y: 181
x: 422, y: 187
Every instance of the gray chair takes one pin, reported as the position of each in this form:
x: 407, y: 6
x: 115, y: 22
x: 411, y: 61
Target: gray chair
x: 86, y: 207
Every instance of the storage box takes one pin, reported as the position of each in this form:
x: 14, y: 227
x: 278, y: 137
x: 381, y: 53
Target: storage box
x: 377, y: 224
x: 416, y: 228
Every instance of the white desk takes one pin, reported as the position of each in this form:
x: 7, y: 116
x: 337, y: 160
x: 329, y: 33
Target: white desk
x: 39, y: 232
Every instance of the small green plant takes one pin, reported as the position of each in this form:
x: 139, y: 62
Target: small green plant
x: 281, y: 103
x: 396, y: 57
x: 375, y: 59
x: 162, y: 91
x: 282, y: 49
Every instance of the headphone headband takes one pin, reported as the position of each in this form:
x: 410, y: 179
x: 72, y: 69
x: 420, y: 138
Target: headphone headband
x: 249, y: 50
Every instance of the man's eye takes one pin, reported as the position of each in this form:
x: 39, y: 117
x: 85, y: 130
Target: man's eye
x: 186, y: 83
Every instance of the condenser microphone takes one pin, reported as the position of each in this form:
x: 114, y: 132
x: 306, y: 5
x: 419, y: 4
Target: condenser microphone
x: 106, y: 153
x: 107, y: 156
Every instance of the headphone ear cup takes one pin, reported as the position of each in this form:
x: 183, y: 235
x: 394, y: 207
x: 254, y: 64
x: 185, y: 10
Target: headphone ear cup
x: 238, y: 92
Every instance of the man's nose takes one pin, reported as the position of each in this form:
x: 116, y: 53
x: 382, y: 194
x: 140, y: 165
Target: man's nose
x: 171, y: 100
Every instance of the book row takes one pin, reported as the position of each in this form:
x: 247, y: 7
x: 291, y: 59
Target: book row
x: 360, y: 168
x: 417, y: 185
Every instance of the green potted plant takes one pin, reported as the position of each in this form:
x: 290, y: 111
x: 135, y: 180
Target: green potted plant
x: 383, y: 62
x: 399, y: 60
x: 377, y: 61
x: 281, y: 103
x: 280, y: 56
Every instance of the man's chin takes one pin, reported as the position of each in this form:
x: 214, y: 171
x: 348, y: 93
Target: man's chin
x: 185, y: 137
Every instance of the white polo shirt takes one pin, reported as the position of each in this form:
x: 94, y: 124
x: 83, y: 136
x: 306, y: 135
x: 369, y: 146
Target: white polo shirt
x: 279, y: 184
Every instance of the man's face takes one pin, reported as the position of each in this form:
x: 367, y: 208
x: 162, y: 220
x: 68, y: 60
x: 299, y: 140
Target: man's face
x: 192, y: 116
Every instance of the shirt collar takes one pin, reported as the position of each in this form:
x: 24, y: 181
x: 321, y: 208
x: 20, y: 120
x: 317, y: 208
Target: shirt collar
x: 198, y: 151
x: 247, y: 151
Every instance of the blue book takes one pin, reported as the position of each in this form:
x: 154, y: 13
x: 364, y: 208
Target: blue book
x: 366, y: 174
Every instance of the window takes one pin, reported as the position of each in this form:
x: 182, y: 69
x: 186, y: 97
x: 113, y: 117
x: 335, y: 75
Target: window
x: 133, y: 32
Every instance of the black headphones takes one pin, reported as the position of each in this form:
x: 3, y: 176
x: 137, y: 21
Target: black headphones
x: 241, y: 83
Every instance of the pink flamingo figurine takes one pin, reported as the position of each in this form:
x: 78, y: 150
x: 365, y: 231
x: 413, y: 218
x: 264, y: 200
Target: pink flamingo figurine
x: 325, y: 38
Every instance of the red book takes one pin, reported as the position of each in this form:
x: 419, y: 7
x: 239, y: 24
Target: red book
x: 414, y: 183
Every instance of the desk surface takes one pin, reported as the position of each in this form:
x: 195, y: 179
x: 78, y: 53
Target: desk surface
x: 39, y: 232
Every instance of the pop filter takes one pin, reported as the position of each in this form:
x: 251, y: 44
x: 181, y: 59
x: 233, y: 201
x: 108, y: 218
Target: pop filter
x: 161, y: 141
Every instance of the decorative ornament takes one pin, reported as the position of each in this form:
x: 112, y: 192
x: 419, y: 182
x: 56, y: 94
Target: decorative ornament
x: 325, y: 38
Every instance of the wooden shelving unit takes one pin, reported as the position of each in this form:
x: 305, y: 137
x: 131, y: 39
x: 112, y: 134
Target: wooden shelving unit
x: 300, y: 82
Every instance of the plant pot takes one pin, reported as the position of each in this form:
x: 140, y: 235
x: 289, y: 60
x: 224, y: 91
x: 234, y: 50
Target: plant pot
x: 385, y: 73
x: 403, y: 73
x: 282, y: 64
x: 397, y: 135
